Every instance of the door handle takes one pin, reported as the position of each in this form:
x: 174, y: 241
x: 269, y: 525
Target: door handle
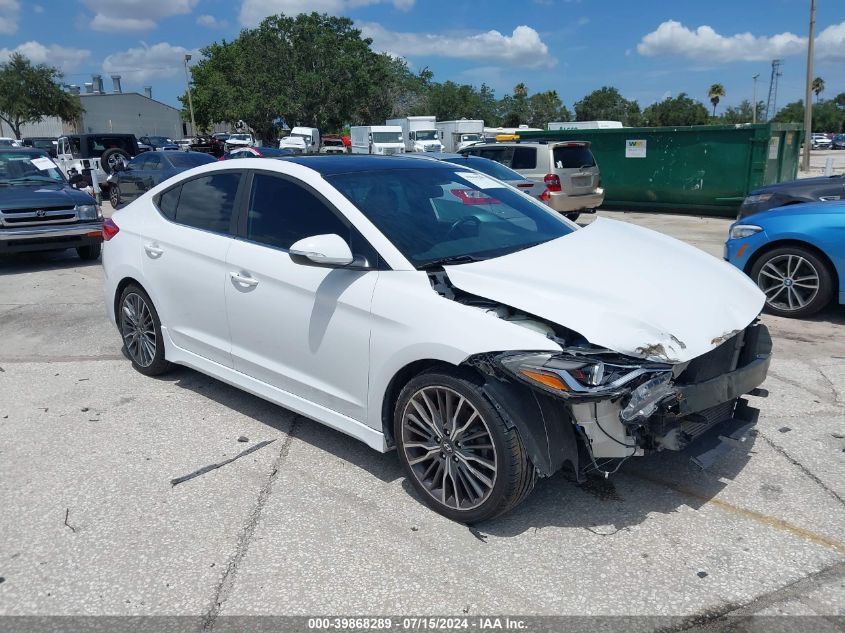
x: 240, y: 279
x: 153, y: 250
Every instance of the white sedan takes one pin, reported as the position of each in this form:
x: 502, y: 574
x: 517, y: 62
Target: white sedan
x: 424, y: 306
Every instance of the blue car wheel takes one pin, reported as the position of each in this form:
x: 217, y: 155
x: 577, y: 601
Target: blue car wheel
x: 797, y: 282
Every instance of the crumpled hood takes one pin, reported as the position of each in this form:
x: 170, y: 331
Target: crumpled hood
x: 622, y: 287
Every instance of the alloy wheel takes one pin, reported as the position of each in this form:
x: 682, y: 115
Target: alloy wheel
x: 449, y: 448
x: 789, y: 282
x: 114, y: 196
x: 138, y: 329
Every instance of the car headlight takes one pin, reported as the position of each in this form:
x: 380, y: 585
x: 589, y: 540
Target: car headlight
x: 738, y: 231
x: 758, y: 198
x: 572, y: 375
x: 89, y: 212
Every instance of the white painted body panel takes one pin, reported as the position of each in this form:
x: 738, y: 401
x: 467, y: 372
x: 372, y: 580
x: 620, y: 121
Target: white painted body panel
x: 623, y: 287
x: 450, y: 132
x: 361, y: 144
x: 411, y: 125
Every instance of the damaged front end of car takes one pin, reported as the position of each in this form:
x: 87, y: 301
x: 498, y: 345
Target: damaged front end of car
x: 593, y: 408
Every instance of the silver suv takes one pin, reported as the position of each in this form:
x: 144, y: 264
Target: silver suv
x: 567, y: 168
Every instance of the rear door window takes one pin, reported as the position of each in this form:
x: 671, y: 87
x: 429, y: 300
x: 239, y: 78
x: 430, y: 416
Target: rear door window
x: 573, y: 157
x: 524, y: 158
x: 208, y: 202
x: 499, y: 154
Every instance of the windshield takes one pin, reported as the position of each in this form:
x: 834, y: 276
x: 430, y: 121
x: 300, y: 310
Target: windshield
x: 387, y: 137
x: 426, y: 135
x: 333, y: 143
x: 160, y: 140
x: 238, y: 137
x: 471, y: 137
x: 24, y: 167
x: 489, y: 167
x: 300, y: 135
x: 99, y: 144
x: 186, y: 160
x: 446, y: 212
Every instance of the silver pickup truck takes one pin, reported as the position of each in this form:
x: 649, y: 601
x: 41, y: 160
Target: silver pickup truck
x: 40, y: 211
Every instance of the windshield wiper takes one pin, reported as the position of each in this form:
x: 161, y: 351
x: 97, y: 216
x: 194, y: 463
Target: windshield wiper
x: 454, y: 259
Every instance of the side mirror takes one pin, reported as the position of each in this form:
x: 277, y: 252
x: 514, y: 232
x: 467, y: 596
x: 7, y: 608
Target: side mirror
x: 329, y: 251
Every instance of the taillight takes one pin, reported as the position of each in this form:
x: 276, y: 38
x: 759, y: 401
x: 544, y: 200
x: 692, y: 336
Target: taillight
x: 552, y: 182
x: 110, y: 229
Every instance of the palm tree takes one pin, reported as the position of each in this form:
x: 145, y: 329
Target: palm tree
x: 818, y: 86
x: 716, y: 92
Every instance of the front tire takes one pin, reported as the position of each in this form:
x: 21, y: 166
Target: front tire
x: 457, y: 451
x: 573, y: 215
x: 89, y: 253
x: 796, y: 281
x: 140, y: 329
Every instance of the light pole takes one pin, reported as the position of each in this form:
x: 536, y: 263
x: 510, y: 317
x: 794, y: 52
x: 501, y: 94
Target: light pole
x: 808, y: 102
x: 190, y: 101
x: 754, y: 101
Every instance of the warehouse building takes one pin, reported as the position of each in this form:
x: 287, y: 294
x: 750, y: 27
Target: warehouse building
x: 115, y: 111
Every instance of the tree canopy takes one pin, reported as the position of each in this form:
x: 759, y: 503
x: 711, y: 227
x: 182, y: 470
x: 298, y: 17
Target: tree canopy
x: 680, y: 110
x: 828, y: 116
x: 29, y: 93
x: 607, y: 104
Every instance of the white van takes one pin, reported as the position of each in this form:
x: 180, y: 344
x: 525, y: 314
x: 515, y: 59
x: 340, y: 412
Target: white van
x: 377, y: 139
x: 304, y: 139
x: 419, y: 133
x: 456, y: 135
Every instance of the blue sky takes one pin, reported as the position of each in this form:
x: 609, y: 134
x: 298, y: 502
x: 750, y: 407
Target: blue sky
x: 648, y: 49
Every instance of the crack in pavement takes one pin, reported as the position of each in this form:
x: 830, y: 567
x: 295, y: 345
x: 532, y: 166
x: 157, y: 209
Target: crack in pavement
x: 782, y: 452
x: 834, y: 390
x: 227, y: 581
x: 798, y: 385
x: 729, y: 617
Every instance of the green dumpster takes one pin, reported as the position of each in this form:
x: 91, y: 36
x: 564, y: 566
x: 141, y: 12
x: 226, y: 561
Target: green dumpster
x: 701, y: 169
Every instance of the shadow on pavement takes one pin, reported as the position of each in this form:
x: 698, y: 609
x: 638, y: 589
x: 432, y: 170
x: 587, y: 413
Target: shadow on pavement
x: 42, y: 260
x: 659, y: 483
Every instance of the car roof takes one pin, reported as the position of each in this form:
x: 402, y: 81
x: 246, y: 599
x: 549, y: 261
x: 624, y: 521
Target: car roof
x: 328, y: 165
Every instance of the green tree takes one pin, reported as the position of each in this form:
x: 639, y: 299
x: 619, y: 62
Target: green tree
x: 515, y: 109
x: 839, y: 100
x: 742, y: 113
x: 716, y: 92
x: 545, y: 107
x: 818, y: 86
x: 827, y: 115
x: 607, y: 104
x: 313, y: 70
x: 29, y: 93
x: 680, y: 110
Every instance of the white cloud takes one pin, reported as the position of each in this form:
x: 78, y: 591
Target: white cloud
x: 144, y: 63
x: 830, y: 43
x: 253, y: 11
x: 134, y: 15
x: 9, y: 11
x: 64, y: 58
x: 523, y: 47
x: 37, y: 8
x: 672, y: 38
x: 211, y: 22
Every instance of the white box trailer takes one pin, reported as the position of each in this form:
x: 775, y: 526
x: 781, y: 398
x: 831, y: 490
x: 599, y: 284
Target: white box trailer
x: 377, y: 139
x: 455, y: 135
x: 584, y: 125
x: 419, y: 132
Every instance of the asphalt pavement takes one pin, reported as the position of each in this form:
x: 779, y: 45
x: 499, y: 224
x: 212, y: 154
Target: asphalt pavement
x: 315, y: 523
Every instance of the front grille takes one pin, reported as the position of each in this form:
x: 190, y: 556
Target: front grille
x: 698, y: 423
x: 36, y: 216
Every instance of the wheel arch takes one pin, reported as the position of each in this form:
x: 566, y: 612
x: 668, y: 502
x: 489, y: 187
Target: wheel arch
x: 770, y: 246
x: 121, y: 286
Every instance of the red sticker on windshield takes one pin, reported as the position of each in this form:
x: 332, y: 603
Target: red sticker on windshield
x: 473, y: 196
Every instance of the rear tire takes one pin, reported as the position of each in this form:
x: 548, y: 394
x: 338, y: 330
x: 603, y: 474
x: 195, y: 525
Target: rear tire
x: 574, y: 215
x: 89, y: 253
x: 457, y: 451
x: 796, y: 281
x: 140, y: 328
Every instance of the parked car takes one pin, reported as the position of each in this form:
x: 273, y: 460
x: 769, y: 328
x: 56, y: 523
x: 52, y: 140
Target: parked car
x: 420, y: 305
x: 820, y: 141
x: 8, y: 141
x: 149, y: 169
x: 207, y: 145
x: 781, y: 194
x: 568, y: 169
x: 332, y: 145
x: 238, y: 140
x: 86, y: 153
x: 159, y: 142
x: 47, y: 143
x: 185, y: 144
x: 258, y: 152
x: 838, y: 142
x: 489, y: 167
x: 40, y: 211
x: 795, y: 254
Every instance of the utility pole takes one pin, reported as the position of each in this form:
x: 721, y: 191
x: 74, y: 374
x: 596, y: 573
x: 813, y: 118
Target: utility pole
x: 190, y: 101
x: 754, y: 101
x: 808, y: 101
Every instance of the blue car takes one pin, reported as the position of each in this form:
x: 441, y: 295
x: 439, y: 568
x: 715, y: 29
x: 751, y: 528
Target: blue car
x: 796, y: 254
